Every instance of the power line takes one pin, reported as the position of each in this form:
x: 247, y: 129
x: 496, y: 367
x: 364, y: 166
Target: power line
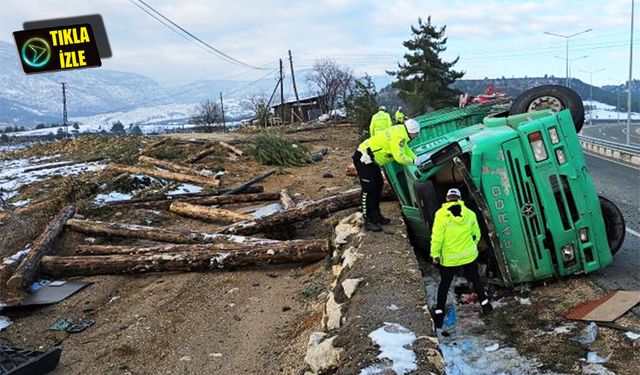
x: 215, y: 51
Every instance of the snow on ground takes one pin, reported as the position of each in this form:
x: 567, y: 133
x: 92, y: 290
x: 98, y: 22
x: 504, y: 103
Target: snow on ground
x: 394, y: 342
x: 601, y: 111
x: 185, y: 188
x: 13, y: 175
x: 114, y: 196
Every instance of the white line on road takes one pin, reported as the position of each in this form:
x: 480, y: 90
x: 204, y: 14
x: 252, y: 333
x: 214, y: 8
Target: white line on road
x: 609, y: 160
x: 633, y: 232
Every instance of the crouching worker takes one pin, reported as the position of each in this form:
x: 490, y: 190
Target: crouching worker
x: 380, y: 149
x: 454, y: 246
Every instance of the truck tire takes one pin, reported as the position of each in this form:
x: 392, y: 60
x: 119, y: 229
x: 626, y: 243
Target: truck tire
x: 614, y: 224
x: 553, y: 97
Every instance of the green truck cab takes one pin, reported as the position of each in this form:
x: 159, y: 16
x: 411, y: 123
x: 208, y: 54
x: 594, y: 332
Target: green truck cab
x: 523, y: 172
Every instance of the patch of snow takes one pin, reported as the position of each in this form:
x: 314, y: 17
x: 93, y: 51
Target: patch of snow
x: 185, y: 188
x: 15, y: 258
x: 492, y: 348
x: 632, y: 335
x: 5, y: 322
x: 394, y: 341
x: 13, y: 175
x: 601, y: 111
x: 267, y: 210
x: 21, y: 203
x: 524, y: 301
x: 593, y: 357
x: 393, y: 307
x: 114, y: 196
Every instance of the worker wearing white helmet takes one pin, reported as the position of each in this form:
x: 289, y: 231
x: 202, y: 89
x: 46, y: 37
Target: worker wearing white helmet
x: 399, y: 116
x: 378, y: 150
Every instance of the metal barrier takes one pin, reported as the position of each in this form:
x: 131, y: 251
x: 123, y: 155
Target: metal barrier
x: 626, y: 153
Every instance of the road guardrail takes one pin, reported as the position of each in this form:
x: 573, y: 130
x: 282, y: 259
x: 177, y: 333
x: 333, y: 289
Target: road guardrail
x: 620, y: 151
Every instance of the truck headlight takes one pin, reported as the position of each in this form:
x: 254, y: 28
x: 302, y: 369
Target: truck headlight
x: 567, y: 253
x: 537, y: 146
x: 584, y: 235
x: 560, y: 156
x: 553, y: 135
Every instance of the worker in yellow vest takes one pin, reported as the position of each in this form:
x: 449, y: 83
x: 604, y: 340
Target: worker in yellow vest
x: 454, y: 246
x: 380, y: 121
x: 382, y: 148
x: 399, y: 116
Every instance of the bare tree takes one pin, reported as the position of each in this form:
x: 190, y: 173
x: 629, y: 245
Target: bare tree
x: 208, y: 115
x: 331, y: 81
x: 257, y: 104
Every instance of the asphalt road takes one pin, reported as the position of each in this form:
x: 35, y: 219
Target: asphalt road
x: 613, y: 132
x: 621, y: 184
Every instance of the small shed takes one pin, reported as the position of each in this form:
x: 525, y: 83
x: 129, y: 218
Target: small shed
x: 307, y: 108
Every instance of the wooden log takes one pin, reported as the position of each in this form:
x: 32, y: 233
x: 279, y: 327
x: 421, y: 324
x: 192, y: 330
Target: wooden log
x: 304, y: 128
x: 164, y: 201
x: 231, y: 148
x: 254, y: 244
x: 252, y: 181
x: 309, y: 140
x: 199, y: 180
x: 148, y: 233
x: 154, y: 145
x: 231, y: 199
x: 218, y: 215
x: 300, y: 213
x: 286, y: 200
x: 202, y: 154
x: 289, y: 252
x: 30, y: 264
x: 173, y: 167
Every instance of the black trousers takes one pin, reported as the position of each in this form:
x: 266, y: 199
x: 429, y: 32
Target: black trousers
x: 446, y: 277
x: 371, y: 181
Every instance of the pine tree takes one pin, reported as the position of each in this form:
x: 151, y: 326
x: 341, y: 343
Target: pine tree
x: 424, y: 80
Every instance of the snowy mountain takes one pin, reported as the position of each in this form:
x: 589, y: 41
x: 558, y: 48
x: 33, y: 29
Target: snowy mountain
x: 601, y: 111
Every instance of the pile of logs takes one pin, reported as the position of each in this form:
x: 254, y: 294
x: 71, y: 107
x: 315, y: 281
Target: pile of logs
x: 228, y: 247
x: 239, y: 242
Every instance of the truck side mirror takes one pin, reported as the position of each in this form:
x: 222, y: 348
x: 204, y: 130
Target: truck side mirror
x: 446, y: 154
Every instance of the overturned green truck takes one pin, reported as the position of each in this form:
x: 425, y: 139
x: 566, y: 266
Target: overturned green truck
x: 520, y: 167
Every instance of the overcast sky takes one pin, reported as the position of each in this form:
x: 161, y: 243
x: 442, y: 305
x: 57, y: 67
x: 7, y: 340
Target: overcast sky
x: 493, y: 38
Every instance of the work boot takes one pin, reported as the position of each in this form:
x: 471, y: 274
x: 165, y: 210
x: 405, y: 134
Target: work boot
x: 377, y: 218
x: 438, y: 318
x: 371, y: 226
x: 486, y: 307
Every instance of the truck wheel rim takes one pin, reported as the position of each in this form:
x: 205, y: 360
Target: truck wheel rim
x: 545, y: 102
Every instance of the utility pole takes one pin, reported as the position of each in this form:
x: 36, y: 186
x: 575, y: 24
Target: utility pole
x: 224, y: 122
x: 295, y: 89
x: 64, y: 111
x: 591, y: 91
x: 630, y: 77
x: 281, y: 93
x: 567, y: 37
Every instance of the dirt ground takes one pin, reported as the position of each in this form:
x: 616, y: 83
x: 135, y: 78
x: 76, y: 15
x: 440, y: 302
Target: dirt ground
x: 253, y: 321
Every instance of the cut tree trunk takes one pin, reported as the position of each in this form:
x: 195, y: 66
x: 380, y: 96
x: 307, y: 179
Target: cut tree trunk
x: 301, y: 212
x: 252, y: 181
x: 289, y: 252
x: 231, y: 199
x: 202, y: 154
x: 265, y: 245
x: 181, y: 177
x: 150, y: 233
x: 173, y: 167
x: 29, y: 266
x: 164, y: 201
x: 231, y: 148
x: 217, y: 215
x: 286, y: 200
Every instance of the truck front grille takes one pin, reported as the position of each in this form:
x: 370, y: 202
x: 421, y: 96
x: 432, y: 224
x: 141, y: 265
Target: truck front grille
x: 527, y: 205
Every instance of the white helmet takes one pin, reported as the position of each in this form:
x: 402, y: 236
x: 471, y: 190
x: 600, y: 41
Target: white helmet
x: 412, y: 126
x: 382, y: 108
